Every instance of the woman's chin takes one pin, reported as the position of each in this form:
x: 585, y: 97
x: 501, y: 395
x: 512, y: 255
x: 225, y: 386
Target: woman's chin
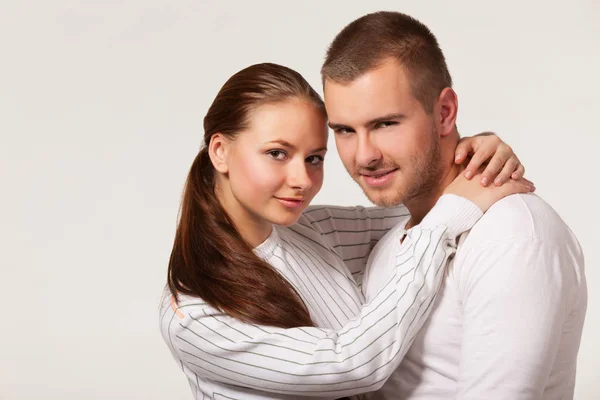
x: 285, y: 219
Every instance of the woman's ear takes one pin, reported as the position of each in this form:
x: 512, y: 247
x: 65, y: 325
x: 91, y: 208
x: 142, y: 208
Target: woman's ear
x: 217, y: 151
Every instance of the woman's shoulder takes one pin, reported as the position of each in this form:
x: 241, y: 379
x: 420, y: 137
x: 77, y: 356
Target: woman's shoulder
x: 182, y: 306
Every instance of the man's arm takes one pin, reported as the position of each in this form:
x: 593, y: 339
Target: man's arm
x: 517, y: 295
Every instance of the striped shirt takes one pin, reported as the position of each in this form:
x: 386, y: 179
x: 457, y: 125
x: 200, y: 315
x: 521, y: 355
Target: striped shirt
x: 355, y: 347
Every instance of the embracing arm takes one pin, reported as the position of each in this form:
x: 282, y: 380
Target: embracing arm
x: 352, y: 232
x: 318, y: 362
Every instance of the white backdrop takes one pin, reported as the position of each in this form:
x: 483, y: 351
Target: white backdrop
x: 101, y: 107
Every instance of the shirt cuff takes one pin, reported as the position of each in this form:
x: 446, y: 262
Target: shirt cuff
x: 455, y: 212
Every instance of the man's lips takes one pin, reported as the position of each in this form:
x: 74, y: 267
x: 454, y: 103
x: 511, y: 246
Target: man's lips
x: 378, y: 178
x: 378, y: 173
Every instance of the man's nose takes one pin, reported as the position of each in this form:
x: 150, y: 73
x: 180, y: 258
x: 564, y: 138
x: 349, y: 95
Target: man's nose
x: 367, y: 153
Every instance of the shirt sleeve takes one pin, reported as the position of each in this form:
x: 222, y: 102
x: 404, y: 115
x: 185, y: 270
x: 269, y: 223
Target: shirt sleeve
x: 517, y: 295
x: 352, y: 232
x: 311, y: 361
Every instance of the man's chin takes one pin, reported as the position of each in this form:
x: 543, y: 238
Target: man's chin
x: 384, y: 198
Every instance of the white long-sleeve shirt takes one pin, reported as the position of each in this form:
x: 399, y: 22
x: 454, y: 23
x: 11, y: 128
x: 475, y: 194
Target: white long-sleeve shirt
x: 355, y: 348
x: 508, y: 319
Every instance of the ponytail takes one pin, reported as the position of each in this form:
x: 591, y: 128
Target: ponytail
x: 211, y: 260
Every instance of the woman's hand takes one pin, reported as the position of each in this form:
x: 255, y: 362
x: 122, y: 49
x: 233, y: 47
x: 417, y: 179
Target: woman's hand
x: 484, y: 197
x: 502, y: 163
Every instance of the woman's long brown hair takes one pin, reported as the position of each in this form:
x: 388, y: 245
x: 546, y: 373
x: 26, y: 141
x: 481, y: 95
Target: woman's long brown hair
x: 210, y: 259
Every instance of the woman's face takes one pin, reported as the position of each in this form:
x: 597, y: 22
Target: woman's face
x: 274, y: 168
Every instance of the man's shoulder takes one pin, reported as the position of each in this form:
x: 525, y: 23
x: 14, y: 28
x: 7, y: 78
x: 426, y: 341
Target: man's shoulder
x: 520, y: 216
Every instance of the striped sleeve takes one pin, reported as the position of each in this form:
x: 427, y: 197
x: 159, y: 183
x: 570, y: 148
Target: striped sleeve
x: 352, y: 232
x: 311, y: 361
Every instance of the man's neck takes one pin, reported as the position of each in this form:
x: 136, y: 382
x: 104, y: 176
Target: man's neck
x: 420, y: 205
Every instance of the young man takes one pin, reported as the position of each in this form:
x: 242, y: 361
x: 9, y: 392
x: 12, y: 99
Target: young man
x: 507, y: 323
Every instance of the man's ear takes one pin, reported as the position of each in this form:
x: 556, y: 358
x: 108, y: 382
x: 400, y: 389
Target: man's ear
x: 447, y: 110
x: 218, y: 149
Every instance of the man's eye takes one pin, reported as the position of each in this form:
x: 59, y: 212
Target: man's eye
x: 277, y: 154
x: 315, y: 160
x: 385, y: 124
x: 342, y: 131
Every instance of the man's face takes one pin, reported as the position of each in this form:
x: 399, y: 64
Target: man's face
x: 386, y: 140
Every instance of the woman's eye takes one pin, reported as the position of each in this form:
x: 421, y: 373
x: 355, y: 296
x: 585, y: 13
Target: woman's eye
x: 315, y: 160
x: 277, y: 154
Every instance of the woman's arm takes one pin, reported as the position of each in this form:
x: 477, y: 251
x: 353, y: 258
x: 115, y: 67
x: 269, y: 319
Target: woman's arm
x: 353, y: 231
x: 318, y: 362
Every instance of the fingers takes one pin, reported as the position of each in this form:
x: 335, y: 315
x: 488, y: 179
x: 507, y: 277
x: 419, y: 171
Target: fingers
x: 519, y: 172
x: 509, y: 167
x: 516, y: 186
x: 495, y: 166
x: 460, y: 156
x: 463, y: 149
x: 481, y: 156
x: 485, y: 142
x: 526, y: 186
x: 484, y: 197
x: 529, y: 184
x: 502, y: 163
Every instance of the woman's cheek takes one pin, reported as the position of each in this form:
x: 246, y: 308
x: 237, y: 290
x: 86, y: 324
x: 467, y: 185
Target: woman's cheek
x: 262, y: 173
x: 317, y: 181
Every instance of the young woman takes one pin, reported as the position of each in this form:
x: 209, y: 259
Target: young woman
x: 261, y: 303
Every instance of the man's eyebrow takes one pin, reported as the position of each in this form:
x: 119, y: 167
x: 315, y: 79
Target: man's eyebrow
x: 384, y: 118
x: 335, y: 126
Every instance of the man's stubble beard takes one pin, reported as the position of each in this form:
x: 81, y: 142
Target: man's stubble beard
x: 427, y: 174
